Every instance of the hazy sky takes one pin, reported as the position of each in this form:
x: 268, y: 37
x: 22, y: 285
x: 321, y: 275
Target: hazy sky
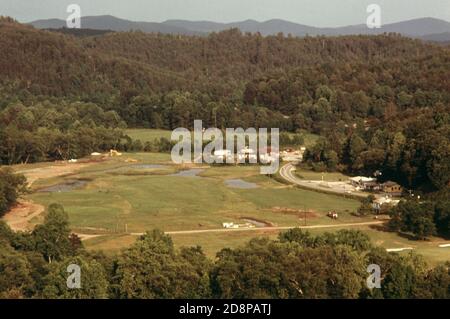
x: 319, y: 13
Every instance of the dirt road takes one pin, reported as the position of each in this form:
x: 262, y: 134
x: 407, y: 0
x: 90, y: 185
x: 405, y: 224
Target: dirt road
x: 222, y: 230
x: 19, y: 217
x: 55, y: 170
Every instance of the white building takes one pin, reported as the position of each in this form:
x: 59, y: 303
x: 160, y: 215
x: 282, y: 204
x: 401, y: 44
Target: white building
x: 377, y: 203
x: 247, y: 155
x: 362, y: 182
x: 221, y: 156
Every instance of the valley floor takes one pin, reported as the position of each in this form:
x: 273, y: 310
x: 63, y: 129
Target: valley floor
x: 111, y: 201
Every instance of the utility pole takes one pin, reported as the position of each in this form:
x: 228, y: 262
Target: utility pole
x: 304, y: 211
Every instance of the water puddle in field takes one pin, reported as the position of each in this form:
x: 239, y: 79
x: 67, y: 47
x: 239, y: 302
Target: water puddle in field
x: 189, y: 173
x: 257, y: 223
x: 63, y: 187
x: 239, y: 183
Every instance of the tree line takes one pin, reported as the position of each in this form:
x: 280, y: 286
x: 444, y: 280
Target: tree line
x: 48, y: 131
x: 422, y: 219
x: 419, y: 218
x: 412, y: 148
x: 295, y: 265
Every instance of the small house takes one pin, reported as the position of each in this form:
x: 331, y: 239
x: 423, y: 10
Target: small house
x: 391, y: 188
x: 221, y: 156
x: 269, y: 154
x: 365, y: 183
x: 371, y: 186
x: 247, y: 154
x: 387, y: 201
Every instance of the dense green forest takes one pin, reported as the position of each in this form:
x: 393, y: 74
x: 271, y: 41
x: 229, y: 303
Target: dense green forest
x: 296, y: 265
x: 380, y: 102
x: 422, y: 218
x: 11, y: 187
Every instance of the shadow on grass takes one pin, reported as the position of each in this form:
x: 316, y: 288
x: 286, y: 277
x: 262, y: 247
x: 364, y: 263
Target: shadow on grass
x: 386, y: 229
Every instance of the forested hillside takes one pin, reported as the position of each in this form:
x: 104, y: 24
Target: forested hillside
x: 359, y: 76
x: 382, y: 102
x: 297, y: 265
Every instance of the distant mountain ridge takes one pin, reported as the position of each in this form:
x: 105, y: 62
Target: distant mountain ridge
x: 108, y: 22
x: 426, y: 28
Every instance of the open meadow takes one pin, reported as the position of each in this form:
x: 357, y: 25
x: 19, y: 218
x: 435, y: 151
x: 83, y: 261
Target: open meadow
x: 114, y: 200
x: 116, y: 196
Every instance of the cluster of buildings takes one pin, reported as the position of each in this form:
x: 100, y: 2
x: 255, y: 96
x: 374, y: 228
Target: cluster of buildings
x: 267, y: 155
x: 389, y: 189
x: 371, y: 184
x: 245, y: 155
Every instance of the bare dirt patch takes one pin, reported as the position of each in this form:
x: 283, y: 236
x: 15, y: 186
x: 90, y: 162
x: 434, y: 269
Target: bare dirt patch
x: 19, y: 217
x: 257, y: 222
x: 55, y: 170
x: 84, y: 237
x: 297, y: 212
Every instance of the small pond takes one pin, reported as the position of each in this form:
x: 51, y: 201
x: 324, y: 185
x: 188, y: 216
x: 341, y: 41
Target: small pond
x: 63, y: 187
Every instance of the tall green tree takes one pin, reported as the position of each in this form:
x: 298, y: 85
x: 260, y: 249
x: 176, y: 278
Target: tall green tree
x: 15, y: 273
x: 11, y: 187
x: 93, y: 281
x: 52, y: 237
x: 151, y: 268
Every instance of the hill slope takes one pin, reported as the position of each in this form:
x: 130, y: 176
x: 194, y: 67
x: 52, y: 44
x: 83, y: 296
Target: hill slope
x: 51, y: 63
x: 56, y: 64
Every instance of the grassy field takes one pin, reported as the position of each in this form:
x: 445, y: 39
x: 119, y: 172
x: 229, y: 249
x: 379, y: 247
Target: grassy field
x: 118, y: 195
x: 212, y: 243
x: 317, y: 176
x: 148, y: 135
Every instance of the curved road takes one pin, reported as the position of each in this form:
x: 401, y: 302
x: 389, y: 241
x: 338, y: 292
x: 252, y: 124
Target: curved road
x: 287, y: 172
